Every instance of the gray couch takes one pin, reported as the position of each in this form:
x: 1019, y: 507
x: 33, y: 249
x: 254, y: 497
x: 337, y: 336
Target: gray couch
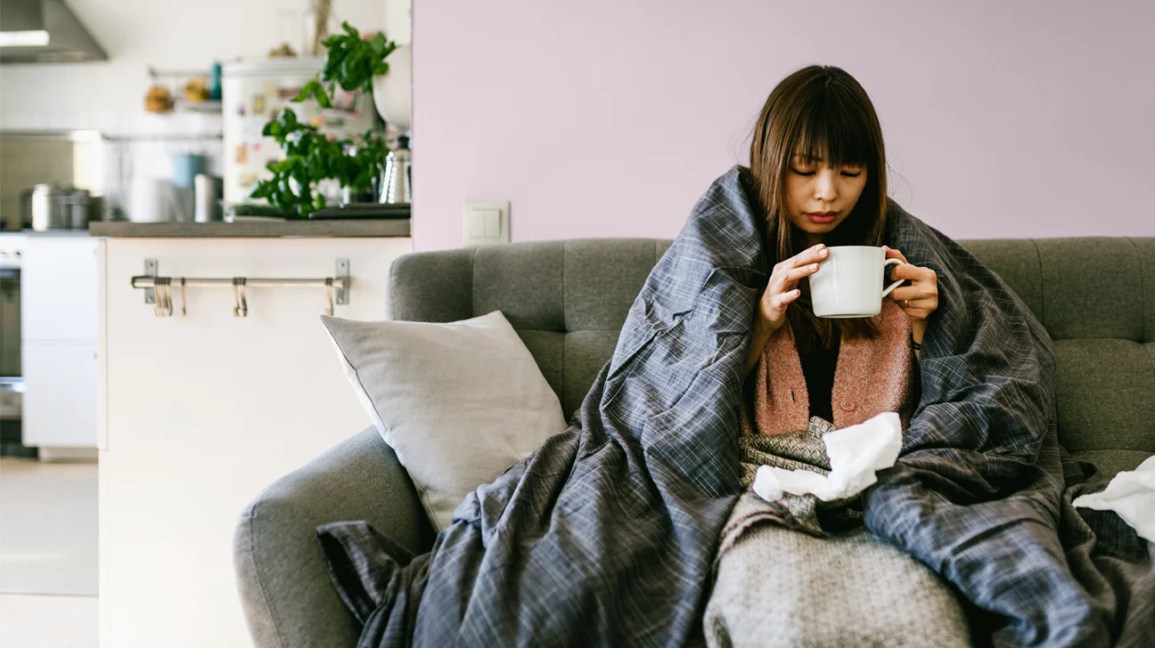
x: 568, y: 300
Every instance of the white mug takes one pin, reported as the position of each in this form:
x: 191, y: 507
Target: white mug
x: 849, y: 282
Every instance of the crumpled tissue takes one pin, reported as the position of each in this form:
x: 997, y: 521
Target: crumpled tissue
x: 856, y: 453
x: 1130, y: 494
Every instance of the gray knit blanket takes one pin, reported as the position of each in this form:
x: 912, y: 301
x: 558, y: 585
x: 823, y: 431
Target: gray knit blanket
x: 801, y: 450
x: 607, y: 535
x: 778, y: 588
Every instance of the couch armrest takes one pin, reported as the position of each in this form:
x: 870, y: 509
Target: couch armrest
x: 288, y: 598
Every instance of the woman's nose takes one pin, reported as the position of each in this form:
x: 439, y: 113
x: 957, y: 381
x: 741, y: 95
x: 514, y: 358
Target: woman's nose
x: 824, y: 185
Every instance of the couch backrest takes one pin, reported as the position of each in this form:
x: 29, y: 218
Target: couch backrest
x: 569, y: 299
x: 1096, y: 298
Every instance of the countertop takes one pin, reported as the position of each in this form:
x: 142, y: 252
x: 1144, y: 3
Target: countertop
x: 56, y: 233
x: 254, y: 229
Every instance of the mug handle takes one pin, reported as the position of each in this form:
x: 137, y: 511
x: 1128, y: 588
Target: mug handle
x: 895, y: 284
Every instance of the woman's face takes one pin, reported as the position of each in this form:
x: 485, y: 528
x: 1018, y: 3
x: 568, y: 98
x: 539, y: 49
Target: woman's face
x: 819, y: 197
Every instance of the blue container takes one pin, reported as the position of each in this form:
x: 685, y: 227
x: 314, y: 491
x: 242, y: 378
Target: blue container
x: 185, y: 167
x: 215, y: 83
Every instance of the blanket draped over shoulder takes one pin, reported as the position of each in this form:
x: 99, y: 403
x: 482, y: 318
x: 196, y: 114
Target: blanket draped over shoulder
x: 606, y: 535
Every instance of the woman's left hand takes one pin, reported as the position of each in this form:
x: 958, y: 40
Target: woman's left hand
x: 918, y: 298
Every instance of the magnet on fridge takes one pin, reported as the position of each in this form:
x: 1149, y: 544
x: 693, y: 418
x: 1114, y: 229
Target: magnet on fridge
x: 242, y: 154
x: 259, y: 104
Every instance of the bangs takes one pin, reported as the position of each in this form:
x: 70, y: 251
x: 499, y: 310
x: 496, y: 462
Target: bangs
x: 832, y: 128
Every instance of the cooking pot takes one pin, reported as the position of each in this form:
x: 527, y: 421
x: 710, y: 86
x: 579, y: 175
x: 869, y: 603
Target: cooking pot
x: 52, y: 206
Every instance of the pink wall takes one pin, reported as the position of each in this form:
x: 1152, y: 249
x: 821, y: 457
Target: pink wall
x: 610, y: 117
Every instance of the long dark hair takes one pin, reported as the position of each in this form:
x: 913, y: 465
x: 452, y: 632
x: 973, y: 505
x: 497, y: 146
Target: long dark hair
x: 821, y: 112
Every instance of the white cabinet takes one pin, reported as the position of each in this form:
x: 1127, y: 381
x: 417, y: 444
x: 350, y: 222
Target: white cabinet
x: 59, y: 288
x: 60, y: 399
x: 202, y: 412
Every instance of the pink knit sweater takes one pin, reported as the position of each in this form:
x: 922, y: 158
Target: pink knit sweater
x: 871, y: 376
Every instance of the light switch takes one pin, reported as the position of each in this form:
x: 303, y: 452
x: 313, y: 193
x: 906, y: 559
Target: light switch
x: 475, y: 225
x: 484, y: 222
x: 491, y: 222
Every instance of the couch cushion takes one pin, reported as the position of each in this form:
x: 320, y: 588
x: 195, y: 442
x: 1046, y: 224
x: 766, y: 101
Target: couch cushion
x: 1092, y: 288
x: 1110, y: 462
x: 523, y: 282
x: 585, y: 354
x: 1145, y: 249
x: 601, y: 282
x: 1017, y: 263
x: 1106, y: 395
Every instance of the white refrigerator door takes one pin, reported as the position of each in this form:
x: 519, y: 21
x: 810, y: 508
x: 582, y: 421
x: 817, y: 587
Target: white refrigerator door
x: 254, y: 92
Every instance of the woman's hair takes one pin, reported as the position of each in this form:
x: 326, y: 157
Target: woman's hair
x: 820, y: 112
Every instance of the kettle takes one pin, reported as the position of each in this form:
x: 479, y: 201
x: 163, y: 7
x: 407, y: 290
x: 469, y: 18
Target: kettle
x: 397, y: 186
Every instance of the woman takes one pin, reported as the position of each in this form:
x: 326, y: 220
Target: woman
x: 976, y: 490
x: 819, y: 168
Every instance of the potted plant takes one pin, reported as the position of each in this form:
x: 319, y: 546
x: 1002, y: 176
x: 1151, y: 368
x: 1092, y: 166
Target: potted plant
x: 310, y: 156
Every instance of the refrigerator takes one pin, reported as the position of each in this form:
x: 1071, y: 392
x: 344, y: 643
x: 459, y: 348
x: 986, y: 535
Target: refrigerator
x: 252, y: 93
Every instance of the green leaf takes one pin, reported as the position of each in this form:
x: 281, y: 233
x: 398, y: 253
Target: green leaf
x: 309, y: 155
x: 280, y: 166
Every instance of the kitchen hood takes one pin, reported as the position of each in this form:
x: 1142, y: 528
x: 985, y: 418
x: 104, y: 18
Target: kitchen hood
x: 44, y: 31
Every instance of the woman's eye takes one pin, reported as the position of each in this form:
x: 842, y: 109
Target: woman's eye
x: 802, y: 173
x: 851, y: 174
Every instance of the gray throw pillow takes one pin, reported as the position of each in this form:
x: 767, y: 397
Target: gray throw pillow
x: 459, y: 402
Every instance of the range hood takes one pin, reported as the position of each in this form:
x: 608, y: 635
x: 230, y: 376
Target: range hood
x: 44, y: 31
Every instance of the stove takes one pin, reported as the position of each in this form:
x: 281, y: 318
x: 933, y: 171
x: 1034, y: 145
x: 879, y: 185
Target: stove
x: 11, y: 378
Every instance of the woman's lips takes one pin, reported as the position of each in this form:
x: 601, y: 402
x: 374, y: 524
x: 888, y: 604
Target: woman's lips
x: 821, y: 218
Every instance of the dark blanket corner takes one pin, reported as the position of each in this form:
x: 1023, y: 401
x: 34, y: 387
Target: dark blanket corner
x: 606, y: 535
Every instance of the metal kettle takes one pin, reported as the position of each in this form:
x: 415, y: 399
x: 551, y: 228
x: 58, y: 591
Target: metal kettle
x: 397, y: 186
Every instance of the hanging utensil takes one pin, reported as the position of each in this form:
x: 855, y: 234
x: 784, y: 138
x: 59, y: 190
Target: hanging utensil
x: 329, y: 296
x: 157, y: 302
x: 242, y: 307
x: 163, y: 292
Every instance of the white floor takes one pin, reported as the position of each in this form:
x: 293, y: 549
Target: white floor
x: 48, y: 554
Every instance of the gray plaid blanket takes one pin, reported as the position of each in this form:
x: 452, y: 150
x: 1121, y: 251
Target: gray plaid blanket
x: 606, y: 535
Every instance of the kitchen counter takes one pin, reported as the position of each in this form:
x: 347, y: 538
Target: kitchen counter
x: 200, y: 408
x: 254, y: 229
x: 54, y: 233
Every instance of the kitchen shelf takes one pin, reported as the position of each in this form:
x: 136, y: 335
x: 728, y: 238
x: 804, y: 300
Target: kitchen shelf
x: 266, y: 229
x: 205, y: 107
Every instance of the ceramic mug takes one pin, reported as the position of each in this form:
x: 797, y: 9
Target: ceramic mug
x: 849, y: 282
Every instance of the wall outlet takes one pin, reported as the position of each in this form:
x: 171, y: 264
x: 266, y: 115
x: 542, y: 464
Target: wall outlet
x: 484, y: 222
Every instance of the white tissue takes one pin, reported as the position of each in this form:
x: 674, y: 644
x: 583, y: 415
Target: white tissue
x: 856, y: 453
x: 1131, y: 494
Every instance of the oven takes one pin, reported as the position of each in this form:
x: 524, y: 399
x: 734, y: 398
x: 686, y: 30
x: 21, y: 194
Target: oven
x: 11, y: 378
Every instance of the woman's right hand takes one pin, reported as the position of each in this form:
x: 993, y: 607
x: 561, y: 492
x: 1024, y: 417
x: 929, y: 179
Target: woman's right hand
x: 781, y: 291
